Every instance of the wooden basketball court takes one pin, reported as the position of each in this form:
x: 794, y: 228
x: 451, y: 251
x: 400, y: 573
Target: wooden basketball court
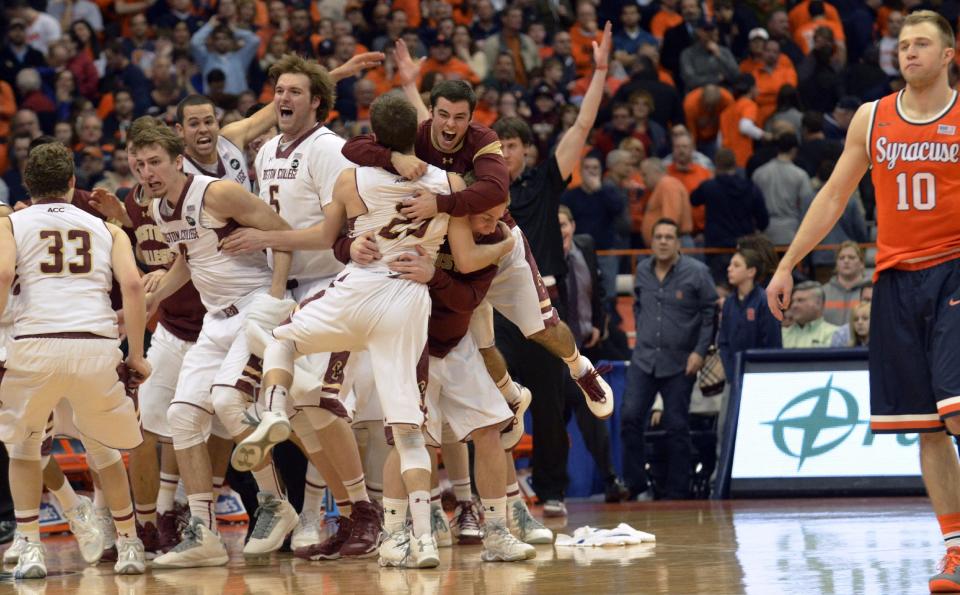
x: 760, y: 546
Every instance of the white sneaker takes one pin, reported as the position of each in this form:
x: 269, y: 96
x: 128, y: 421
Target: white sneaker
x: 393, y: 549
x: 527, y: 528
x: 274, y: 428
x: 307, y: 531
x: 596, y: 391
x: 422, y: 552
x: 13, y: 552
x: 199, y: 546
x: 511, y: 436
x: 130, y: 556
x: 107, y: 528
x: 440, y: 526
x: 500, y: 546
x: 32, y: 562
x: 86, y: 526
x: 276, y: 518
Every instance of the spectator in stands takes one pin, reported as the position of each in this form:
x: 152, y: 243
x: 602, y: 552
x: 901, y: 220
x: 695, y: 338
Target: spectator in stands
x: 17, y: 54
x: 665, y: 18
x: 442, y: 60
x: 887, y: 45
x: 629, y: 38
x: 466, y: 49
x: 690, y: 173
x: 816, y: 147
x: 746, y: 322
x: 41, y: 28
x: 788, y: 110
x: 679, y: 130
x: 562, y: 48
x: 809, y: 329
x: 90, y: 168
x: 706, y: 61
x: 485, y: 24
x: 852, y: 226
x: 82, y: 66
x: 179, y: 11
x: 17, y: 148
x: 674, y: 309
x: 582, y: 35
x: 806, y: 34
x: 836, y: 123
x: 645, y: 127
x: 680, y: 37
x: 121, y: 73
x: 645, y: 77
x: 116, y: 125
x: 119, y: 174
x: 775, y: 72
x: 26, y: 121
x: 29, y: 90
x: 702, y: 108
x: 865, y: 79
x: 738, y: 123
x: 733, y: 207
x: 63, y: 133
x: 64, y: 93
x: 85, y: 38
x: 786, y: 189
x: 68, y: 11
x: 842, y: 291
x: 734, y: 21
x: 89, y: 130
x: 844, y: 336
x: 766, y: 151
x: 778, y: 27
x: 598, y: 208
x: 224, y: 53
x: 301, y: 39
x: 397, y: 22
x: 821, y: 85
x: 859, y: 326
x: 758, y: 38
x: 667, y: 199
x: 518, y: 45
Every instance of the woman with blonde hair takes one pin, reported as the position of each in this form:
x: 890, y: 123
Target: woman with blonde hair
x: 860, y: 325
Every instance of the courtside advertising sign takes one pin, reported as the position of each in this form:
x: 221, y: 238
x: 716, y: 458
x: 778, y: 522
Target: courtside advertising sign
x: 815, y: 425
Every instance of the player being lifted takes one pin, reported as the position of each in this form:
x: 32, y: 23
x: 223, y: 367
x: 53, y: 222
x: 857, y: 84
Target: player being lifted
x: 910, y: 142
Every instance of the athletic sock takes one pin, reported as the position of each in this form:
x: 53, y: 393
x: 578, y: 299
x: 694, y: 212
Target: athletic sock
x: 124, y: 521
x: 98, y: 500
x: 394, y: 514
x: 420, y: 512
x: 461, y: 487
x: 217, y: 486
x: 513, y: 493
x: 275, y: 398
x: 494, y: 510
x: 356, y: 489
x: 66, y: 496
x: 313, y: 491
x: 346, y: 509
x: 509, y: 389
x: 146, y: 514
x: 950, y: 527
x: 266, y: 479
x: 578, y: 364
x: 28, y: 524
x: 167, y: 493
x: 201, y: 506
x: 436, y: 494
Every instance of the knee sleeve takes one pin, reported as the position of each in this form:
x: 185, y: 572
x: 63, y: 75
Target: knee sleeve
x: 305, y: 432
x: 279, y: 355
x: 28, y: 450
x: 99, y: 456
x: 231, y: 407
x: 187, y: 425
x: 412, y: 448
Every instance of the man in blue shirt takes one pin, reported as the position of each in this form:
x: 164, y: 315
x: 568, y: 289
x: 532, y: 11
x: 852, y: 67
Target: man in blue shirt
x: 225, y: 54
x: 674, y: 309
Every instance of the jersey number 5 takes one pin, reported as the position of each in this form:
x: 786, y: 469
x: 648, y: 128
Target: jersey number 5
x: 83, y: 261
x: 923, y: 191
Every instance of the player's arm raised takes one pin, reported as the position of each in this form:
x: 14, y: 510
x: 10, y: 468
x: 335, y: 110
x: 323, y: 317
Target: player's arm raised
x: 229, y: 200
x: 8, y: 260
x: 409, y: 71
x: 467, y: 254
x: 243, y: 132
x: 127, y: 274
x: 825, y: 211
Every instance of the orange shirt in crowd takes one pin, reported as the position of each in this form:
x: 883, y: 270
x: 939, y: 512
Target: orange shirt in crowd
x: 768, y: 86
x: 412, y: 8
x: 671, y: 200
x: 484, y: 113
x: 736, y: 141
x: 378, y: 76
x: 702, y: 124
x: 581, y: 48
x: 663, y: 20
x: 691, y: 178
x: 799, y: 15
x: 665, y: 77
x: 804, y: 35
x: 455, y: 68
x: 8, y: 107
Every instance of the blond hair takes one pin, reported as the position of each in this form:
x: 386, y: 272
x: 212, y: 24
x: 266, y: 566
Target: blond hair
x: 321, y: 85
x: 158, y: 134
x: 854, y: 339
x: 937, y: 20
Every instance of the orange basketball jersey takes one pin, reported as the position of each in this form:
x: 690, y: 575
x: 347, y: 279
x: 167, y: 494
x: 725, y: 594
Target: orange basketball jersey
x: 916, y: 174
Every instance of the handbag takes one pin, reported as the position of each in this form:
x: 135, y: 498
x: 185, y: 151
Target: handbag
x: 712, y: 377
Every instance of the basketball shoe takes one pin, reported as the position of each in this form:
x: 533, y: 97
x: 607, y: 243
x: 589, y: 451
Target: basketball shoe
x: 199, y: 547
x: 365, y: 534
x: 598, y: 393
x: 466, y: 523
x: 32, y: 562
x: 511, y: 435
x: 12, y: 554
x: 109, y: 531
x: 276, y: 518
x: 131, y: 558
x: 948, y: 580
x: 272, y: 429
x: 440, y: 526
x: 307, y: 531
x: 88, y: 528
x: 500, y: 546
x: 330, y: 548
x: 527, y: 528
x: 168, y: 527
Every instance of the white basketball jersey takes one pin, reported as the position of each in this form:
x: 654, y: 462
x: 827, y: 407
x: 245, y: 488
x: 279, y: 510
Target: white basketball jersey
x: 221, y: 280
x: 297, y: 179
x: 382, y: 193
x: 231, y: 164
x: 64, y: 272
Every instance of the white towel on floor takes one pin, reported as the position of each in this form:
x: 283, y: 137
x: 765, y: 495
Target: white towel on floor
x: 622, y: 534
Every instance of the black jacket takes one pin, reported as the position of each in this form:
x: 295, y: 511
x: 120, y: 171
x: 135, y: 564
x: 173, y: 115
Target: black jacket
x: 675, y: 40
x: 585, y: 243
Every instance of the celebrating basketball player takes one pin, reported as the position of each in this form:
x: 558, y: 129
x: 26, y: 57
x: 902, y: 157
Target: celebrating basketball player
x: 910, y: 141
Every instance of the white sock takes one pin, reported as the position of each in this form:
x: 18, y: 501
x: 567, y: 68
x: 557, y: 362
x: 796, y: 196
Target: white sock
x: 66, y: 496
x: 145, y: 514
x: 201, y: 506
x: 313, y: 491
x: 394, y: 514
x: 494, y: 510
x: 509, y: 390
x: 28, y: 523
x: 578, y: 364
x: 275, y: 398
x: 123, y: 520
x: 266, y: 479
x: 356, y: 489
x: 436, y: 494
x: 420, y: 512
x: 168, y: 490
x: 98, y: 500
x: 513, y: 493
x: 218, y: 486
x: 461, y: 487
x: 345, y: 508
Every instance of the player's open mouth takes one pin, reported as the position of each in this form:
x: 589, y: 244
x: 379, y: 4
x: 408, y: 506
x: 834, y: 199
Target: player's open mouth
x: 204, y: 141
x: 448, y: 137
x: 286, y: 112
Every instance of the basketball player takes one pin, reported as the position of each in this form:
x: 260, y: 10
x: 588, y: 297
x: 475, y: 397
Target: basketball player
x: 447, y: 138
x: 368, y: 308
x: 218, y: 372
x: 909, y: 139
x: 55, y: 249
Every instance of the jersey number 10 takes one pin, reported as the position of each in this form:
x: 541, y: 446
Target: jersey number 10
x: 924, y: 191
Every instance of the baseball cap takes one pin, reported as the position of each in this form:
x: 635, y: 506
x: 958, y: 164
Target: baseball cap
x: 758, y: 33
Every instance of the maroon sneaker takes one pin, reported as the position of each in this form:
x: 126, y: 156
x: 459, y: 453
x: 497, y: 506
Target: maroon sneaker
x: 466, y: 523
x: 168, y: 531
x: 109, y: 554
x: 150, y: 537
x: 329, y: 549
x: 365, y: 535
x: 598, y: 393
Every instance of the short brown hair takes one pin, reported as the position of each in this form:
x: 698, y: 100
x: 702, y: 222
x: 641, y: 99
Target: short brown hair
x: 394, y: 121
x: 321, y: 85
x: 142, y: 123
x: 48, y: 171
x: 192, y: 100
x: 161, y: 135
x: 511, y: 127
x: 937, y: 20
